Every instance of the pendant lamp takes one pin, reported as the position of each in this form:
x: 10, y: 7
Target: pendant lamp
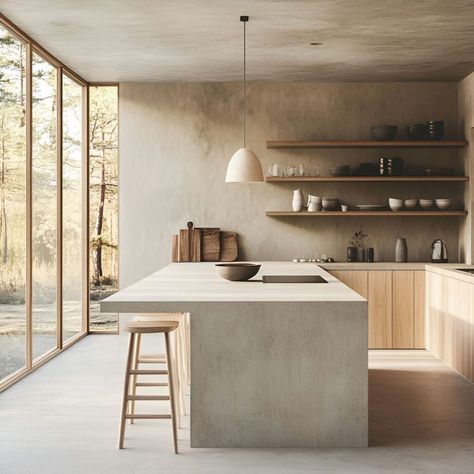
x: 244, y: 166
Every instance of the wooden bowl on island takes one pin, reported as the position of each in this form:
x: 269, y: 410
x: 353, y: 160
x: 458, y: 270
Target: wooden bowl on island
x: 237, y: 271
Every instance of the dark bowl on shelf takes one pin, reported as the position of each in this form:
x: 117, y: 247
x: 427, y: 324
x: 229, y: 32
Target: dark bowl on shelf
x: 367, y: 169
x: 438, y: 171
x: 342, y: 170
x: 416, y: 131
x: 383, y: 132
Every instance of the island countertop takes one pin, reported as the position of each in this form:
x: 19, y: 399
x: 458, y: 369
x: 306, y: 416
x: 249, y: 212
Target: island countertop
x: 273, y: 365
x: 200, y: 282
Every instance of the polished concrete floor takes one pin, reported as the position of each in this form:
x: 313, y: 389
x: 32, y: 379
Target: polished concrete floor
x: 63, y: 419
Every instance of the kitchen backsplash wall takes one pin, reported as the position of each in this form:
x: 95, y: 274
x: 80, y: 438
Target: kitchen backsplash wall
x: 176, y: 140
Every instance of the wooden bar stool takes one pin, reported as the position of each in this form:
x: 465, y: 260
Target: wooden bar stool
x: 136, y: 329
x: 179, y: 355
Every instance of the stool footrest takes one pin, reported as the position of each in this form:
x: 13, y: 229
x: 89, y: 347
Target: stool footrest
x: 151, y: 384
x: 148, y: 397
x: 141, y: 360
x: 148, y: 417
x: 148, y: 372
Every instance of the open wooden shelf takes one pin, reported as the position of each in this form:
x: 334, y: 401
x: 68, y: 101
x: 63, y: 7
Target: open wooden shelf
x: 366, y: 213
x: 329, y: 179
x: 366, y: 144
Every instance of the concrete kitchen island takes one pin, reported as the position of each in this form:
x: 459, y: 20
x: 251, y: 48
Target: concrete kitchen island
x: 272, y: 365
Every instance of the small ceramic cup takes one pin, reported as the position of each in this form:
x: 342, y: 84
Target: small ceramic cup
x: 344, y: 207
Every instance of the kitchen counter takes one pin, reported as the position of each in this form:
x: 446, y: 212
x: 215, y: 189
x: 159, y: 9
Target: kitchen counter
x: 387, y: 265
x: 451, y: 270
x: 272, y: 365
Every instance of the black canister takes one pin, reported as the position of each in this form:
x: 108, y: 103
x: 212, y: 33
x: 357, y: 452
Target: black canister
x: 351, y: 254
x: 369, y: 254
x: 435, y: 129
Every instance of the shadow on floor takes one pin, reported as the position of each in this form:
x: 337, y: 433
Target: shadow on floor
x: 407, y: 406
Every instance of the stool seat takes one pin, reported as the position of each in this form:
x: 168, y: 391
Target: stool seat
x: 144, y: 327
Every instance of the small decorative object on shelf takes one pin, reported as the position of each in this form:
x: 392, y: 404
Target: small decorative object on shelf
x: 351, y: 254
x: 357, y: 241
x: 416, y: 131
x: 297, y: 202
x: 370, y: 255
x: 401, y: 250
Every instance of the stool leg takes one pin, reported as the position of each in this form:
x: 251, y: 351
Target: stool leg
x: 171, y: 385
x: 126, y: 387
x: 183, y: 372
x: 174, y: 351
x: 136, y: 355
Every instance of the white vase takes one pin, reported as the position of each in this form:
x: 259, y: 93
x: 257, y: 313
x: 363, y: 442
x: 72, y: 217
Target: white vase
x: 297, y: 202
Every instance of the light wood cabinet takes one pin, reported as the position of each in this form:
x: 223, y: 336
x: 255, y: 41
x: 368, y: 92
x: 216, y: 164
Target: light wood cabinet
x: 396, y: 305
x: 380, y: 309
x: 403, y: 309
x: 356, y: 280
x: 451, y: 322
x: 419, y: 309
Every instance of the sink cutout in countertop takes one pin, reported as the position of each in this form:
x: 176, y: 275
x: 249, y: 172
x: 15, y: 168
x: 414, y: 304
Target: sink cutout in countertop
x: 293, y: 279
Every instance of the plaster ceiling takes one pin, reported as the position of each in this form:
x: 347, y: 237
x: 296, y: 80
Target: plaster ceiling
x: 201, y: 40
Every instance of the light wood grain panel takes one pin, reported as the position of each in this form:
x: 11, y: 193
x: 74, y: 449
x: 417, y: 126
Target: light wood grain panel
x: 419, y: 309
x: 436, y: 308
x: 402, y: 309
x: 380, y: 309
x: 356, y: 280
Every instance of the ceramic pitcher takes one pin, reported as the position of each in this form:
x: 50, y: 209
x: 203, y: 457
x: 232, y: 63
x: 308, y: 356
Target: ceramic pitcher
x: 314, y: 203
x: 297, y: 202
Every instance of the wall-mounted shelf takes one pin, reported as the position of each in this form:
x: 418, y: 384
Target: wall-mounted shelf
x: 285, y: 144
x: 367, y: 213
x: 357, y: 179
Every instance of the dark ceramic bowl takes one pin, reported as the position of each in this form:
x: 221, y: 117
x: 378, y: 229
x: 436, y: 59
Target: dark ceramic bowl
x: 383, y: 132
x: 237, y: 271
x: 342, y: 170
x: 417, y: 131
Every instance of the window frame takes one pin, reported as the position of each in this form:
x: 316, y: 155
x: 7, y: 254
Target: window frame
x: 62, y: 70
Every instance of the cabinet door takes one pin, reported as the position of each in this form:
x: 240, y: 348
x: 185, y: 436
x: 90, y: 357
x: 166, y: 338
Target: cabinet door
x: 436, y: 307
x: 403, y: 310
x: 356, y: 280
x: 419, y: 311
x: 380, y: 309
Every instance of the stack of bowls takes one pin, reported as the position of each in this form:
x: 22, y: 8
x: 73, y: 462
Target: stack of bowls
x: 330, y: 204
x: 340, y: 170
x: 435, y: 129
x: 391, y: 166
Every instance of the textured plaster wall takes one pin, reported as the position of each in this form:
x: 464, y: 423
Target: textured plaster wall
x: 176, y: 140
x: 466, y: 128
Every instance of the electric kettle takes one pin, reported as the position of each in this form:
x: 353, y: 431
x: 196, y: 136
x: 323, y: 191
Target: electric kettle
x: 439, y: 251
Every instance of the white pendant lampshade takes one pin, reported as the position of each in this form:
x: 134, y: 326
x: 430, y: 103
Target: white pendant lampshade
x: 244, y: 167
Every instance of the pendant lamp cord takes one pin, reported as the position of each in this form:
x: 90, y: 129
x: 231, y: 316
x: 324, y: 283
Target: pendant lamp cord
x: 245, y: 76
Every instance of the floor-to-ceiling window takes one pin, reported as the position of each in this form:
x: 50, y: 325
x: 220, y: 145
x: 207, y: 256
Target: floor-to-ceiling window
x: 44, y: 208
x: 72, y: 215
x: 103, y: 217
x: 12, y: 204
x: 44, y: 298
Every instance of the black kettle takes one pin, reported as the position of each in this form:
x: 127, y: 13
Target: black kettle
x: 439, y: 251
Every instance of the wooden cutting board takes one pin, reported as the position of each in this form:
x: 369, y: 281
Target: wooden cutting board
x: 175, y: 248
x: 210, y: 244
x: 229, y: 247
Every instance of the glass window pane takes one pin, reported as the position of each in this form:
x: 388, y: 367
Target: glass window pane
x: 72, y: 208
x: 44, y: 189
x: 12, y: 204
x: 103, y: 216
